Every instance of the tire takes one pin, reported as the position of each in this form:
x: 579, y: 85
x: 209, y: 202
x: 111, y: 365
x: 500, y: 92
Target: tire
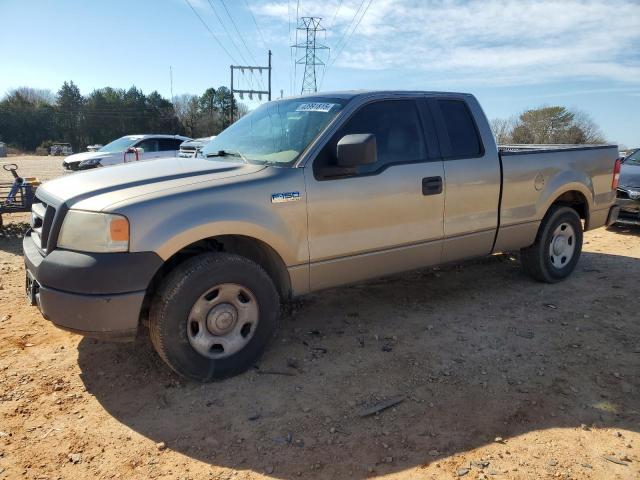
x: 191, y: 319
x: 551, y: 259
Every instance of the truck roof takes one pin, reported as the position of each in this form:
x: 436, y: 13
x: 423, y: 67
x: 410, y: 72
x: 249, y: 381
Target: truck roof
x: 349, y: 94
x: 157, y: 135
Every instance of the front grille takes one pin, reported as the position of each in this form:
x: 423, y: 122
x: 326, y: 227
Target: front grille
x: 41, y: 220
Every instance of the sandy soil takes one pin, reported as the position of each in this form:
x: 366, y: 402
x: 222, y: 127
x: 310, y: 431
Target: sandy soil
x: 44, y: 168
x: 500, y: 377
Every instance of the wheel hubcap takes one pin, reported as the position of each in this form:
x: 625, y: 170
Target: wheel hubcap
x: 562, y: 246
x: 222, y: 321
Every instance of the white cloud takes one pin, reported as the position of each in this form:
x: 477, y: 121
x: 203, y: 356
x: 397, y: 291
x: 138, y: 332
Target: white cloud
x: 489, y: 41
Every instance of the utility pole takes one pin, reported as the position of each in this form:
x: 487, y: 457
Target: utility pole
x: 311, y: 27
x: 171, y: 81
x: 251, y: 93
x: 269, y: 75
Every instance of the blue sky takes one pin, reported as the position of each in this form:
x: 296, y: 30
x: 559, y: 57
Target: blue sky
x: 512, y: 55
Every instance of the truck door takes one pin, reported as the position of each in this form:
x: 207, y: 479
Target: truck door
x: 386, y: 217
x: 472, y: 179
x: 150, y: 147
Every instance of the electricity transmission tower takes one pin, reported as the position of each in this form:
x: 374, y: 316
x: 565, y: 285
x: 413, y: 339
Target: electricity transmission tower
x: 311, y: 27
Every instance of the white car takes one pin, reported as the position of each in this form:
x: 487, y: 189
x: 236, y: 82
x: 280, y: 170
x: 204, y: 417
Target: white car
x: 193, y: 148
x: 129, y: 148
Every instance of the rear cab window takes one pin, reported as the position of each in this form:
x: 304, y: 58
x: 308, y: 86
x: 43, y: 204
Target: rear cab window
x: 460, y: 137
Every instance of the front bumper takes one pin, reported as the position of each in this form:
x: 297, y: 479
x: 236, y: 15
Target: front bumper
x: 99, y: 295
x: 77, y: 166
x: 71, y: 166
x: 629, y: 211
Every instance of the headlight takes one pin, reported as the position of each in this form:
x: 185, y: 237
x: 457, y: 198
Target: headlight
x: 94, y: 232
x: 92, y: 162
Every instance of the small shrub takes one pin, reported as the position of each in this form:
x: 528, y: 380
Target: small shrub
x: 11, y: 151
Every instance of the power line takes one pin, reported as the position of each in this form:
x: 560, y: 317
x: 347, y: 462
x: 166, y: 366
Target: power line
x: 235, y: 26
x: 238, y: 31
x: 335, y: 15
x: 227, y: 31
x: 264, y: 43
x: 344, y: 33
x: 291, y: 81
x: 351, y: 34
x: 348, y: 27
x: 210, y: 31
x: 295, y: 63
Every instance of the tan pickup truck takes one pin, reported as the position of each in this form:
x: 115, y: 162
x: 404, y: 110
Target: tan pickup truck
x: 300, y: 195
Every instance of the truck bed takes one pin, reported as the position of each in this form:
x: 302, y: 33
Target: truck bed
x: 536, y: 148
x: 533, y: 176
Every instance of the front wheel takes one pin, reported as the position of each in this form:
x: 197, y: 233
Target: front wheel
x: 557, y: 248
x: 213, y: 316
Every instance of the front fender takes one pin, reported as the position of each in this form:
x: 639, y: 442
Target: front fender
x: 290, y: 252
x: 165, y: 224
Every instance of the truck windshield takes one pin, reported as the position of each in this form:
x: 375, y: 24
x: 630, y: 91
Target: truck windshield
x: 119, y: 145
x: 633, y: 159
x: 276, y: 132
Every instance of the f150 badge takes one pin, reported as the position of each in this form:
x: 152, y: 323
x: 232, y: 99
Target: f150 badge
x: 284, y: 197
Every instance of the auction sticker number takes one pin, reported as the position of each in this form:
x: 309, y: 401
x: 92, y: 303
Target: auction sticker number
x: 315, y: 107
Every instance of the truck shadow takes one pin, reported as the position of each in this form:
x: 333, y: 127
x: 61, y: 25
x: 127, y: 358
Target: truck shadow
x: 477, y: 351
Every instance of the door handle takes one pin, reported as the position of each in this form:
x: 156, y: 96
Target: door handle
x: 432, y: 185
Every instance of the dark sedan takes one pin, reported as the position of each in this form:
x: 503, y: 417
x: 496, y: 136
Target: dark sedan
x: 629, y: 190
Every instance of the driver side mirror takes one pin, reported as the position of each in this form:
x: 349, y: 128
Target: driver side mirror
x: 357, y: 149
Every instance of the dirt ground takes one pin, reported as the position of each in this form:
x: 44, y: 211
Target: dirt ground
x: 499, y: 376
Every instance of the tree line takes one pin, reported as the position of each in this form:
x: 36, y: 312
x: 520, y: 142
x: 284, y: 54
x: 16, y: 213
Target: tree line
x: 32, y: 119
x: 547, y: 125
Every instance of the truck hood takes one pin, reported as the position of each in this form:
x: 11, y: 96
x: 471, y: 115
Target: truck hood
x: 98, y: 188
x: 79, y: 157
x: 630, y: 176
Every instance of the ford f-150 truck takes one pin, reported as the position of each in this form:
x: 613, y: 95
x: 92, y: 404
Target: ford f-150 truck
x: 300, y: 195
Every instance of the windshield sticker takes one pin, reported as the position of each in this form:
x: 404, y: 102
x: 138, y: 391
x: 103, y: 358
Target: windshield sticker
x: 315, y: 107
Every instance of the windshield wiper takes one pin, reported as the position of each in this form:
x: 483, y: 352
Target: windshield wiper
x: 228, y: 153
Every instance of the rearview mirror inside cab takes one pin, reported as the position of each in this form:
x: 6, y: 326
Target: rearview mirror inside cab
x: 357, y: 149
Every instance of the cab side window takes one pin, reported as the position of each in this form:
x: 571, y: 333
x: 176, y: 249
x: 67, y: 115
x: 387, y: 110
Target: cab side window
x: 149, y: 145
x: 399, y: 139
x: 169, y: 144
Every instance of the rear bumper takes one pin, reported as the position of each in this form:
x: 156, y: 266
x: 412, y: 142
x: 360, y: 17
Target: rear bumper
x: 602, y: 218
x: 96, y: 295
x: 613, y: 215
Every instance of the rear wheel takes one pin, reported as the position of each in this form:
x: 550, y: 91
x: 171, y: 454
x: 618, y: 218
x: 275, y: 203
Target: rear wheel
x: 213, y: 316
x: 557, y: 248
